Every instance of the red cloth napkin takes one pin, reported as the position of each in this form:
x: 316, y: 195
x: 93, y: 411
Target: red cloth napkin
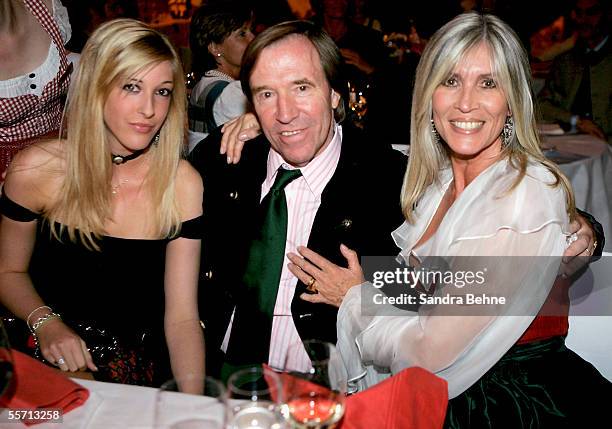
x: 36, y: 386
x: 413, y: 398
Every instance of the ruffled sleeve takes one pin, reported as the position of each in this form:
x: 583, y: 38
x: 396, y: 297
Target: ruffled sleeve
x: 60, y: 14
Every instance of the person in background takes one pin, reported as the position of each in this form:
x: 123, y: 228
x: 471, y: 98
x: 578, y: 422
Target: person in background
x: 362, y: 14
x: 219, y: 34
x: 577, y: 92
x: 552, y: 39
x: 479, y: 193
x: 362, y: 48
x: 367, y: 69
x: 35, y: 72
x: 99, y: 234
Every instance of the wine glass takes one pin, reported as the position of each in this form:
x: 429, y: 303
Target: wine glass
x: 6, y: 364
x: 357, y: 101
x: 254, y: 397
x: 190, y: 402
x: 315, y: 385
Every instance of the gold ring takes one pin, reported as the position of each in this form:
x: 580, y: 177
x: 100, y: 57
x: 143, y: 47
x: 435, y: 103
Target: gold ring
x: 310, y: 286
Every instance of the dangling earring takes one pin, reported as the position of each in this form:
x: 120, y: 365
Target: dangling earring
x: 218, y: 54
x: 434, y: 131
x: 507, y: 133
x: 156, y: 139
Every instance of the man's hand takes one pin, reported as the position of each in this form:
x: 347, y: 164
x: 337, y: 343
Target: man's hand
x: 235, y: 133
x: 589, y: 127
x: 329, y: 281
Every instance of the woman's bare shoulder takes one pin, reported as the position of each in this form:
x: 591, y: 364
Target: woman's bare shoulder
x: 38, y: 159
x: 188, y: 176
x: 189, y: 190
x: 35, y: 173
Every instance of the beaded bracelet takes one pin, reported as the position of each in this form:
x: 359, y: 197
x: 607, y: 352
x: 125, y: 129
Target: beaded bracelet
x: 42, y: 320
x: 34, y: 311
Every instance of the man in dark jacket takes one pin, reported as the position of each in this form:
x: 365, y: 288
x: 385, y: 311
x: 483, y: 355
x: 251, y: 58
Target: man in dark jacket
x: 348, y: 194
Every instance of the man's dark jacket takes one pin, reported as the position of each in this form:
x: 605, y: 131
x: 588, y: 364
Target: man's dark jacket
x: 360, y: 206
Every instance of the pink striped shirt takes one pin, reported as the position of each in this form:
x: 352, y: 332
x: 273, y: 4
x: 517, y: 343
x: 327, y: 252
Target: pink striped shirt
x: 303, y: 201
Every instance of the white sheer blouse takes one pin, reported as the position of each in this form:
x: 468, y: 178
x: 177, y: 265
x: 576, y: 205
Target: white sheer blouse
x: 487, y: 220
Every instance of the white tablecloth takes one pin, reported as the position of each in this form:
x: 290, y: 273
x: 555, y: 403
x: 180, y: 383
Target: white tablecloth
x: 590, y: 175
x: 590, y: 320
x: 112, y: 405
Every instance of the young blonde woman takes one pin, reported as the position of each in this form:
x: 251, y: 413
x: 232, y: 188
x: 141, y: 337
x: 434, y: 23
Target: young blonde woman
x: 99, y: 237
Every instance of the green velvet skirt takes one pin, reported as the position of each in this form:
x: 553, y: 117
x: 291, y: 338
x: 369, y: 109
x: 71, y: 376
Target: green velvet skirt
x: 536, y: 385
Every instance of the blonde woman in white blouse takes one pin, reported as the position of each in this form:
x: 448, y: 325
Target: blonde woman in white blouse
x: 479, y: 192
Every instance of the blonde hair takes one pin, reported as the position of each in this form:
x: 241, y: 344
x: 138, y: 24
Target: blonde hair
x: 512, y: 73
x: 115, y: 52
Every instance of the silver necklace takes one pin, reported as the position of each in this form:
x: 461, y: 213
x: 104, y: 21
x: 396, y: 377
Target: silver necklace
x: 218, y: 73
x: 115, y: 187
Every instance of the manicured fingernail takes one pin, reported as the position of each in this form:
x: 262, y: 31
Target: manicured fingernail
x: 242, y: 137
x: 229, y: 159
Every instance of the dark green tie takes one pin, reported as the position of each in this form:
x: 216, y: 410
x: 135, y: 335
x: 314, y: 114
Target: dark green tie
x: 249, y: 342
x: 268, y: 250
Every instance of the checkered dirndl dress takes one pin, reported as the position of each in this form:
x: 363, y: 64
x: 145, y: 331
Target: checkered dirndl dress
x: 25, y: 118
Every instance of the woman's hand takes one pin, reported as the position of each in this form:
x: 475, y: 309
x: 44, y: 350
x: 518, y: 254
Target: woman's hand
x: 583, y: 244
x: 235, y: 133
x: 61, y: 346
x: 329, y: 281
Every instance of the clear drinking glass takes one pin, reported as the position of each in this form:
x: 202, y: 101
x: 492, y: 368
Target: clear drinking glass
x: 254, y: 398
x: 315, y: 391
x: 202, y: 408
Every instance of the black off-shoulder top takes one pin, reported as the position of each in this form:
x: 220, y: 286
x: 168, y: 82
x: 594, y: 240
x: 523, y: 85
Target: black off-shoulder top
x: 120, y: 287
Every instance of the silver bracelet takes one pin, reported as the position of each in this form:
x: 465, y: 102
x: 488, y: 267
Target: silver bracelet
x: 34, y: 311
x: 42, y: 320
